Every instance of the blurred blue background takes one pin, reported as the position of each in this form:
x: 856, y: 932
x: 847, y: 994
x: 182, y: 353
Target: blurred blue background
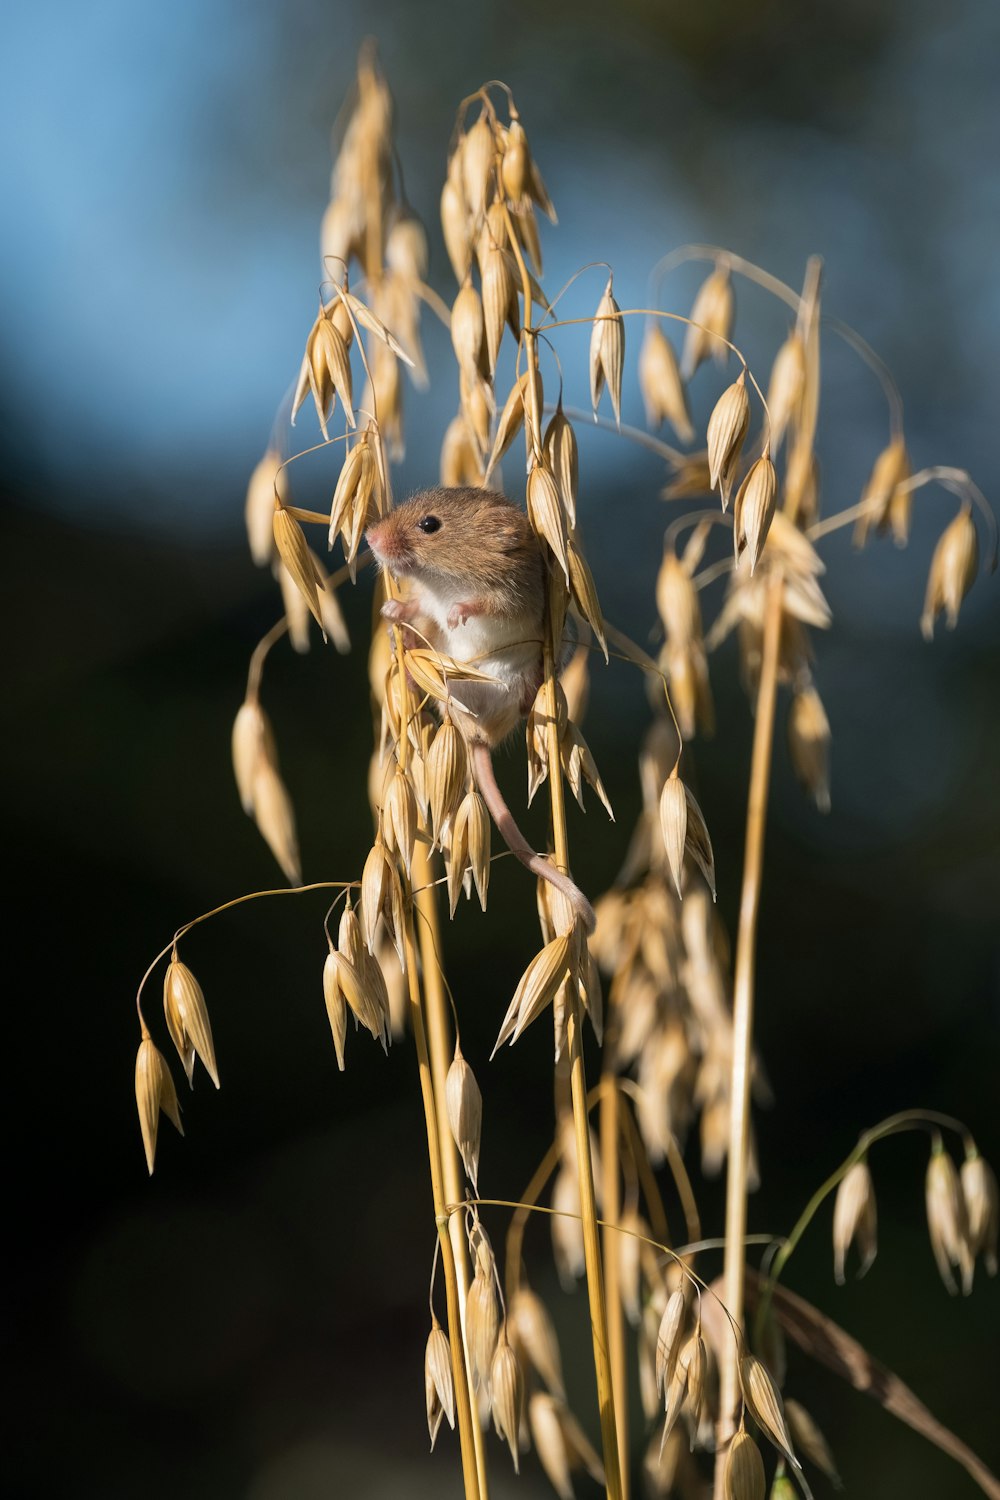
x: 163, y: 177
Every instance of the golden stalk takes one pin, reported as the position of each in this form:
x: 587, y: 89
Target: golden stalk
x: 743, y: 997
x: 610, y: 1127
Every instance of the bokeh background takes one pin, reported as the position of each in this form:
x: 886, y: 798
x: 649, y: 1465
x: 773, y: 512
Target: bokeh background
x: 251, y: 1322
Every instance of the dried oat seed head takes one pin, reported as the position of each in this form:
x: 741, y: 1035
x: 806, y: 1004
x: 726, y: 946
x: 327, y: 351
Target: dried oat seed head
x: 744, y: 1472
x: 786, y: 386
x: 946, y: 1219
x: 952, y: 572
x: 399, y: 818
x: 559, y: 446
x: 753, y: 509
x: 446, y: 777
x: 764, y: 1403
x: 533, y: 1334
x: 536, y: 988
x: 891, y: 469
x: 979, y: 1191
x: 482, y: 1323
x: 336, y: 1006
x: 669, y: 1338
x: 473, y: 829
x: 661, y: 384
x: 713, y: 309
x: 809, y: 745
x: 275, y: 818
x: 187, y: 1020
x: 439, y: 1385
x: 854, y: 1219
x: 546, y: 512
x: 154, y: 1091
x: 727, y: 428
x: 464, y: 1104
x: 293, y: 549
x: 253, y: 741
x: 266, y: 478
x: 607, y: 352
x: 810, y: 1441
x: 507, y: 1395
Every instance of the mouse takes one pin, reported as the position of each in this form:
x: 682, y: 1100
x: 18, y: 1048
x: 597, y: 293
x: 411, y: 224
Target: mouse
x: 475, y: 590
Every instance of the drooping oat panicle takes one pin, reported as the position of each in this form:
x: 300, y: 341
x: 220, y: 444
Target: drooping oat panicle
x: 952, y: 572
x: 764, y: 1403
x: 854, y: 1219
x: 743, y: 1477
x: 464, y: 1105
x: 661, y: 384
x: 890, y: 470
x: 947, y: 1222
x: 439, y: 1385
x: 252, y: 741
x: 154, y: 1091
x: 187, y: 1020
x: 727, y: 428
x: 810, y: 1441
x: 336, y: 1006
x: 293, y: 549
x: 753, y: 509
x: 533, y: 1334
x: 982, y: 1208
x: 507, y: 1395
x: 712, y: 310
x: 546, y: 513
x: 559, y: 446
x: 809, y: 744
x: 267, y: 477
x: 786, y: 387
x: 607, y: 352
x: 275, y: 818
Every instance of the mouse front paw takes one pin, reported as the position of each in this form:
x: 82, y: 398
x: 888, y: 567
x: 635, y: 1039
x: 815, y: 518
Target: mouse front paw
x: 397, y: 610
x: 461, y: 614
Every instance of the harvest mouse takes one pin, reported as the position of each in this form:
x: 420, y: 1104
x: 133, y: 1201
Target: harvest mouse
x: 476, y: 592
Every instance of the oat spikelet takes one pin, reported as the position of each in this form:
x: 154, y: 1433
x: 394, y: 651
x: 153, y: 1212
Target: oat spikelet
x: 946, y: 1219
x: 253, y: 741
x: 727, y: 428
x: 275, y: 819
x: 668, y: 1339
x: 187, y: 1020
x: 744, y: 1472
x: 464, y: 1104
x: 982, y: 1208
x: 684, y: 832
x: 712, y: 310
x: 891, y: 469
x: 353, y: 494
x: 854, y: 1219
x: 607, y: 352
x: 482, y: 1323
x: 154, y: 1091
x: 810, y: 1441
x: 336, y: 1006
x: 534, y: 1335
x: 765, y: 1406
x: 267, y: 477
x: 661, y: 384
x: 507, y: 1395
x: 455, y: 218
x: 786, y: 386
x: 439, y: 1387
x: 536, y: 988
x: 560, y: 1443
x: 753, y: 509
x: 584, y: 592
x: 809, y: 745
x: 293, y: 549
x: 952, y: 572
x: 446, y: 776
x: 467, y: 330
x: 559, y: 446
x: 473, y: 831
x: 546, y: 512
x: 399, y: 819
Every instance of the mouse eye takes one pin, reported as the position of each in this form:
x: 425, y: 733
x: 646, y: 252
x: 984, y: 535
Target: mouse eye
x: 428, y: 524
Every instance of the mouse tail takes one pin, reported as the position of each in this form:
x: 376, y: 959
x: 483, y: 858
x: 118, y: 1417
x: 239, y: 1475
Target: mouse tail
x: 482, y: 766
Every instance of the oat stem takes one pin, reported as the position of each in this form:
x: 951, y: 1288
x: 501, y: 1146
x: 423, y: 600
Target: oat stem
x: 610, y: 1130
x: 743, y: 998
x: 456, y: 1341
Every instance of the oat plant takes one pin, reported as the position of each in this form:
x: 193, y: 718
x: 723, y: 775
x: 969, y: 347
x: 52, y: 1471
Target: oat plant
x: 673, y: 1019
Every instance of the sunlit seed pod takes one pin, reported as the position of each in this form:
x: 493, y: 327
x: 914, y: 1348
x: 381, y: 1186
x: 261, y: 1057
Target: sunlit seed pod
x: 154, y: 1091
x: 546, y: 513
x: 498, y: 289
x: 478, y: 158
x: 391, y: 960
x: 952, y: 572
x: 764, y: 1403
x: 439, y: 1387
x: 267, y: 478
x: 982, y: 1208
x: 566, y: 1228
x: 296, y: 607
x: 607, y: 352
x: 810, y: 1441
x: 673, y: 826
x: 661, y: 385
x: 375, y: 886
x: 694, y: 1358
x: 473, y: 827
x: 946, y: 1219
x: 753, y: 509
x: 187, y: 1020
x: 631, y: 1225
x: 252, y: 741
x: 464, y: 1105
x: 507, y: 1395
x: 526, y: 231
x: 516, y: 165
x: 446, y: 774
x: 482, y: 1324
x: 467, y: 330
x: 581, y: 767
x: 329, y: 371
x: 399, y: 819
x: 340, y: 316
x: 357, y: 993
x: 275, y: 819
x: 455, y: 227
x: 890, y: 470
x: 677, y: 601
x: 331, y: 614
x: 511, y: 418
x: 349, y: 935
x: 336, y: 1006
x: 493, y: 234
x: 713, y: 310
x: 461, y: 459
x: 536, y: 989
x: 550, y: 1442
x: 727, y: 428
x: 676, y: 1398
x: 533, y: 1333
x: 560, y: 449
x: 584, y: 593
x: 406, y: 245
x: 785, y: 388
x: 340, y: 233
x: 574, y: 679
x: 293, y: 549
x: 809, y: 745
x: 476, y: 398
x: 743, y: 1476
x: 669, y: 1338
x: 854, y: 1219
x: 690, y: 478
x: 354, y: 486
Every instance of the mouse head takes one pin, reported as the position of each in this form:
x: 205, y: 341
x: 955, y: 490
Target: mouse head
x: 455, y: 534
